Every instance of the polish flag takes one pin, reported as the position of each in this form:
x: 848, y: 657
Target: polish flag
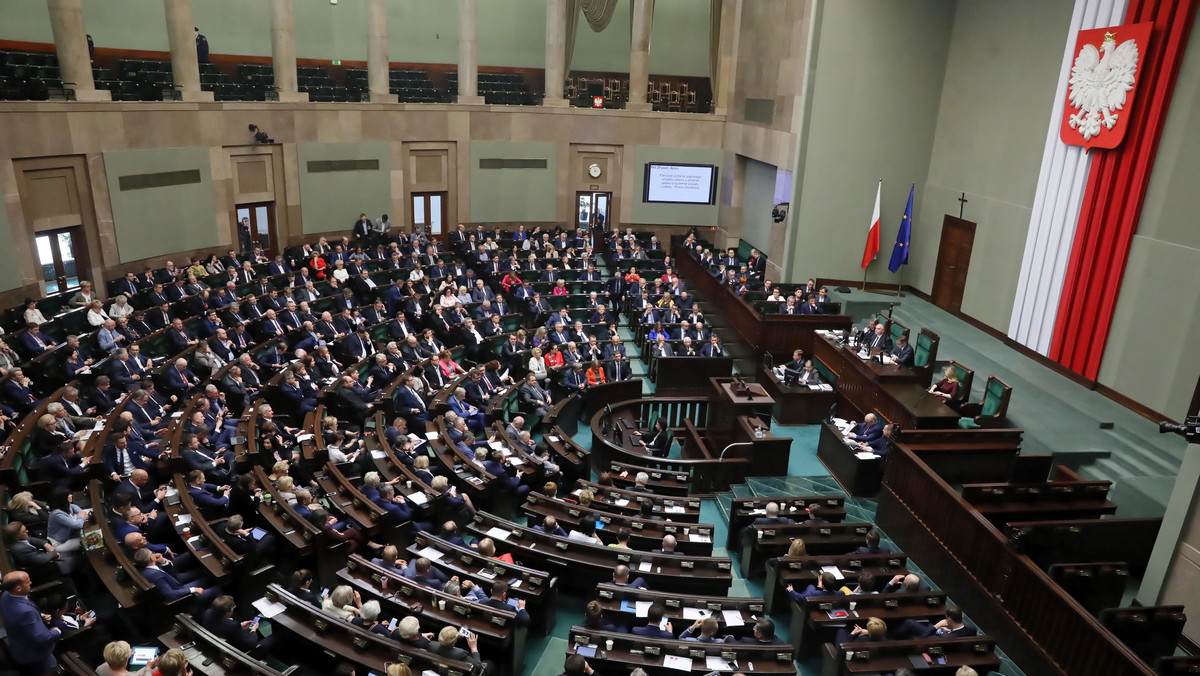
x: 872, y: 249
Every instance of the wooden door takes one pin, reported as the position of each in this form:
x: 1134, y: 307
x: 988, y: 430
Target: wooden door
x: 954, y: 257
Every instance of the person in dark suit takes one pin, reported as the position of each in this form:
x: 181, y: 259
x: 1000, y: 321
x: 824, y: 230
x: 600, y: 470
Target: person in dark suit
x: 827, y: 585
x: 703, y: 631
x: 764, y: 634
x: 535, y: 396
x: 952, y: 626
x: 904, y: 583
x: 902, y: 352
x: 499, y: 599
x: 33, y: 555
x: 30, y: 642
x: 621, y: 578
x: 866, y: 431
x: 879, y: 340
x: 445, y: 646
x: 659, y: 444
x: 121, y: 460
x: 772, y: 517
x: 872, y: 545
x: 618, y: 369
x: 410, y: 404
x: 654, y: 617
x: 206, y: 495
x: 168, y: 585
x: 218, y: 619
x: 668, y: 545
x: 550, y: 526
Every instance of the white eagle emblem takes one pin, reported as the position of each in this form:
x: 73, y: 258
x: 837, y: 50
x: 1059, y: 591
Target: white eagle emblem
x: 1099, y: 82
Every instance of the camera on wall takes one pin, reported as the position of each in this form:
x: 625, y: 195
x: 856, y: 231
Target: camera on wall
x: 260, y: 136
x: 1190, y: 429
x: 779, y: 212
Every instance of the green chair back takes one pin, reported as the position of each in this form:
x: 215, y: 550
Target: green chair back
x: 922, y: 352
x: 827, y: 375
x: 993, y: 397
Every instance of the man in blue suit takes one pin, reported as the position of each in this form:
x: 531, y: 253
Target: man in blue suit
x: 458, y: 403
x: 621, y: 578
x: 120, y: 460
x: 171, y: 588
x: 499, y: 600
x: 34, y: 341
x: 205, y: 495
x: 866, y: 431
x: 30, y: 642
x: 180, y: 379
x: 654, y: 618
x: 410, y: 404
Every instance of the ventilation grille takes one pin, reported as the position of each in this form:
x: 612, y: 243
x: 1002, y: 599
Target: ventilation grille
x: 761, y: 111
x: 326, y: 166
x: 161, y: 179
x: 508, y: 163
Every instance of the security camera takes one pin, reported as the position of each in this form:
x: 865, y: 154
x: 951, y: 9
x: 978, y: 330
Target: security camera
x: 779, y: 213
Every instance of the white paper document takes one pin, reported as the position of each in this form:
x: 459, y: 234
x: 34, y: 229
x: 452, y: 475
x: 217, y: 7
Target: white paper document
x: 431, y: 554
x: 417, y: 498
x: 696, y: 537
x: 676, y: 662
x: 732, y: 617
x: 865, y: 455
x: 268, y: 609
x: 431, y: 435
x: 498, y: 533
x: 833, y: 570
x: 620, y: 502
x: 716, y: 663
x: 642, y: 608
x: 695, y: 613
x: 301, y: 438
x: 378, y: 455
x: 644, y: 567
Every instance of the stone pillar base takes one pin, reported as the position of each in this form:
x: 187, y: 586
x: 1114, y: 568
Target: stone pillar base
x: 292, y: 97
x: 556, y: 103
x: 381, y: 97
x: 92, y: 94
x: 639, y: 107
x: 195, y: 95
x: 470, y: 100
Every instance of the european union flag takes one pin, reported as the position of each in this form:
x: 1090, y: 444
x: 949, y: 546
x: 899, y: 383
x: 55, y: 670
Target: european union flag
x: 900, y: 249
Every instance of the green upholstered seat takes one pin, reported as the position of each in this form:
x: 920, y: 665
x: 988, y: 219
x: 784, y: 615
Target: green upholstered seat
x: 827, y: 376
x: 923, y: 351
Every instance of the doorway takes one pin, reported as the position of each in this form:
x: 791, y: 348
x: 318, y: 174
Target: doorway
x: 262, y: 227
x: 62, y: 254
x: 954, y: 257
x: 429, y: 212
x: 592, y: 209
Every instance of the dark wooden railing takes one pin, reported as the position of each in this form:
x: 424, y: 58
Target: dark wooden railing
x: 1033, y: 619
x: 777, y: 334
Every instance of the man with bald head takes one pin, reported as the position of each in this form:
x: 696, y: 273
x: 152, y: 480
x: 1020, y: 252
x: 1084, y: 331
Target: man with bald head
x: 30, y: 642
x: 905, y: 583
x: 668, y: 545
x: 621, y: 578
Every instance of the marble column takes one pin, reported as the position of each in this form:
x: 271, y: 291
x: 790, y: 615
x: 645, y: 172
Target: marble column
x: 731, y: 19
x: 468, y: 54
x: 556, y: 57
x: 283, y: 52
x: 377, y: 52
x: 70, y: 41
x: 181, y: 36
x: 639, y: 54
